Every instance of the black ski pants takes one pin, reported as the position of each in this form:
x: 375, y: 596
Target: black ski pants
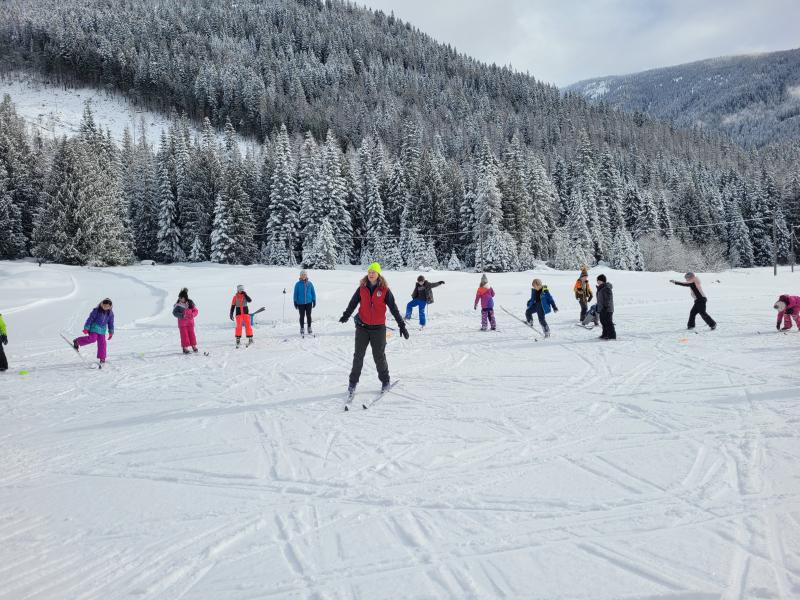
x: 305, y: 313
x: 3, y: 360
x: 374, y: 336
x: 699, y: 308
x: 584, y: 309
x: 607, y: 321
x: 539, y: 313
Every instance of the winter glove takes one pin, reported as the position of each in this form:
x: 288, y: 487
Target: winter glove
x: 110, y: 335
x: 231, y: 317
x: 555, y: 308
x: 4, y: 340
x: 343, y: 319
x: 314, y: 304
x: 404, y: 331
x: 85, y: 332
x: 295, y: 306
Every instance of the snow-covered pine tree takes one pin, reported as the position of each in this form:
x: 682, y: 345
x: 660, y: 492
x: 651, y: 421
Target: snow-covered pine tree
x: 334, y: 198
x: 197, y: 252
x: 454, y: 264
x: 544, y: 198
x: 204, y: 176
x: 577, y: 226
x: 310, y: 196
x: 169, y: 234
x: 283, y: 226
x: 664, y: 219
x: 516, y: 200
x: 611, y: 191
x: 324, y: 252
x: 760, y: 225
x: 12, y: 239
x: 739, y: 245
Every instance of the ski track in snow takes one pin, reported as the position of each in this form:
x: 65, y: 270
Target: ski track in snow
x: 662, y: 465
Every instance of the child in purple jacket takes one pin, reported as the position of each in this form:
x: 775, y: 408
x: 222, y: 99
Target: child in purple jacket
x: 100, y: 321
x: 485, y: 295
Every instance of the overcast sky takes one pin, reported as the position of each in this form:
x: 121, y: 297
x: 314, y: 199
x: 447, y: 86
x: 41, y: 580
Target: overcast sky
x: 564, y: 41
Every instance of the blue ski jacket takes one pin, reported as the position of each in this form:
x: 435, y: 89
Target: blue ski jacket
x: 304, y: 293
x: 548, y: 304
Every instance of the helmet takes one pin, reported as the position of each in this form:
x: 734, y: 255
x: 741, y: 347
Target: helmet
x: 240, y: 288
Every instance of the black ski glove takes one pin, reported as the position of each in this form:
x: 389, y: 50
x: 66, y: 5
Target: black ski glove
x: 4, y: 340
x: 344, y: 319
x: 314, y: 304
x: 403, y: 331
x: 295, y: 305
x: 778, y: 325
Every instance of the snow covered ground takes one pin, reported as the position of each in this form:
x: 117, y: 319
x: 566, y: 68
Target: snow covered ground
x: 662, y: 465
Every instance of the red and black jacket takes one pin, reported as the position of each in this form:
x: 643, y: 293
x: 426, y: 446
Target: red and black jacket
x: 372, y: 302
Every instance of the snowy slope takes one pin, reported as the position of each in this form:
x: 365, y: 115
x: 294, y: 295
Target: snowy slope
x: 663, y: 465
x: 755, y: 98
x: 56, y: 111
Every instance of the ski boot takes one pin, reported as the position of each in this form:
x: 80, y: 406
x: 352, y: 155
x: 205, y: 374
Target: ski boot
x: 309, y: 330
x: 186, y: 351
x: 302, y: 331
x: 75, y: 345
x: 194, y: 349
x: 385, y: 387
x: 249, y: 340
x: 238, y: 340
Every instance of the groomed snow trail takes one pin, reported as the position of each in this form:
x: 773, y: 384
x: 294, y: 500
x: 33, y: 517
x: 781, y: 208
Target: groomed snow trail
x: 662, y: 465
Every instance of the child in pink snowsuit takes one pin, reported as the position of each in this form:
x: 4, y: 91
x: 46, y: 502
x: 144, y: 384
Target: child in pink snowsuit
x: 787, y: 307
x: 185, y: 310
x: 485, y: 295
x: 100, y: 321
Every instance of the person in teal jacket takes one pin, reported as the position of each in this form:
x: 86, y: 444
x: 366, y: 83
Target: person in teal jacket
x: 3, y: 342
x: 305, y: 298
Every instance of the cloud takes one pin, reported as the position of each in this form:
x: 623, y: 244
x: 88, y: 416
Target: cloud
x: 563, y: 42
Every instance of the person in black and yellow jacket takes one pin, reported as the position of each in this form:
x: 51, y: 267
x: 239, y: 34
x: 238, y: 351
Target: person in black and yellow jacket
x: 3, y: 342
x: 583, y: 292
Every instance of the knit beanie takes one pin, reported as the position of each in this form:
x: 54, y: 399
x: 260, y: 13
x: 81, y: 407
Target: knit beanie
x: 484, y: 280
x: 602, y: 278
x: 780, y: 306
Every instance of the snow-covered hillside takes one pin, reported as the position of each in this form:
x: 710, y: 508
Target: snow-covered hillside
x: 662, y: 465
x: 754, y: 98
x: 56, y: 111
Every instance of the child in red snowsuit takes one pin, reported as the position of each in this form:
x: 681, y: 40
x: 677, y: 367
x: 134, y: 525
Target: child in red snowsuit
x: 240, y: 308
x: 185, y: 310
x: 787, y: 307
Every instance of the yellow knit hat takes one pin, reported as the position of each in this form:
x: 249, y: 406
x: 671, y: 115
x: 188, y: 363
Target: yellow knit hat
x: 375, y: 267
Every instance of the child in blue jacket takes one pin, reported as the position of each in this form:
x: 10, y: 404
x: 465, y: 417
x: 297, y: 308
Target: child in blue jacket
x: 541, y: 303
x: 305, y: 298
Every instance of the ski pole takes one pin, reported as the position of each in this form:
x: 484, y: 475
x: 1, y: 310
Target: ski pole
x: 283, y: 318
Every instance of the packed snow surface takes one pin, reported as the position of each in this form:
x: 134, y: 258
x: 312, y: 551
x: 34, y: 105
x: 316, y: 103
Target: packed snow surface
x: 662, y: 465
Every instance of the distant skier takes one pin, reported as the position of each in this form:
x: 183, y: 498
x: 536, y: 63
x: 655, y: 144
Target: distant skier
x: 305, y: 298
x: 788, y: 307
x: 100, y: 322
x: 541, y: 302
x: 605, y: 308
x: 239, y: 308
x: 583, y: 292
x: 185, y: 311
x: 485, y: 295
x: 421, y: 296
x: 3, y: 342
x: 372, y: 298
x: 700, y: 300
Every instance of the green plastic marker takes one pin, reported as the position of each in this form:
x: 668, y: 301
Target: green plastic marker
x: 23, y: 372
